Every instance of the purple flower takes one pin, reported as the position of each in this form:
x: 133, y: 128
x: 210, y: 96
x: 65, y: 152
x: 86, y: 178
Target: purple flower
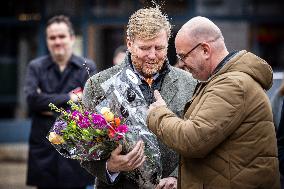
x: 98, y: 121
x: 75, y: 113
x: 59, y: 126
x: 84, y: 122
x: 77, y: 116
x: 122, y: 128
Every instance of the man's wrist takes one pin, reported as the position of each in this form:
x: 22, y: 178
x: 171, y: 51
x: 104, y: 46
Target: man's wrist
x: 111, y: 175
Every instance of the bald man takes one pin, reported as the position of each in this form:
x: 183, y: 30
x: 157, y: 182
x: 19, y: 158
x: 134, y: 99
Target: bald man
x: 227, y: 137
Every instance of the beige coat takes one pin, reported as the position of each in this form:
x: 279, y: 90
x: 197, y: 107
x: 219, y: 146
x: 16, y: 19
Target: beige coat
x: 227, y: 137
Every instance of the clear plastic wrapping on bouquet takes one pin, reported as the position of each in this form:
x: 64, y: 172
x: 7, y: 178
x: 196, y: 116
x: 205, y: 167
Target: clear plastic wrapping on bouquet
x: 125, y: 98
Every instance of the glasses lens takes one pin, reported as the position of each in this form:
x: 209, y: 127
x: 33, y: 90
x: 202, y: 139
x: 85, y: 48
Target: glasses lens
x: 180, y: 57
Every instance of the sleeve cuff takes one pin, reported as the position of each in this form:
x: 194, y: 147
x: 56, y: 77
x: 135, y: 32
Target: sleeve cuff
x: 111, y: 176
x: 154, y: 118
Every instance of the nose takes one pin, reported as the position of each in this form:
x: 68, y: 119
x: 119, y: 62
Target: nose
x: 57, y: 40
x: 152, y: 53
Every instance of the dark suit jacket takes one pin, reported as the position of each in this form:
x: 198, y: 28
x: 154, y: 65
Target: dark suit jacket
x: 46, y: 84
x: 176, y: 90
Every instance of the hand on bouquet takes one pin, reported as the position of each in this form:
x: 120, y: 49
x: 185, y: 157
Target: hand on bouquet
x: 128, y: 162
x: 167, y: 183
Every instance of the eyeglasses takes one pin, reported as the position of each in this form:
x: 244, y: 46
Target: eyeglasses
x: 183, y: 57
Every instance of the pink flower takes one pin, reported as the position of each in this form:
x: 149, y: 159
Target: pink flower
x: 122, y: 128
x: 98, y: 121
x: 84, y: 122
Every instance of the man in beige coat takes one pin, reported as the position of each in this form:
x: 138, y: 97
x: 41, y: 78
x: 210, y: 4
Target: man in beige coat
x: 227, y: 137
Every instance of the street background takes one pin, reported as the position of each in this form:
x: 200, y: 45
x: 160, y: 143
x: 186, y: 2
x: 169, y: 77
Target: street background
x: 254, y: 25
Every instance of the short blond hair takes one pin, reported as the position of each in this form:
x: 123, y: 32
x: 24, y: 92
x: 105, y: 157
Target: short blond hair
x: 147, y: 23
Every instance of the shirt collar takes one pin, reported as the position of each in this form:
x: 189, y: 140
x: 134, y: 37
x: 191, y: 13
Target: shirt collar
x: 74, y: 60
x: 224, y: 61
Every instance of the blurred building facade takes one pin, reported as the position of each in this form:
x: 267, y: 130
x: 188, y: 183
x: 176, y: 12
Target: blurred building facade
x: 255, y: 25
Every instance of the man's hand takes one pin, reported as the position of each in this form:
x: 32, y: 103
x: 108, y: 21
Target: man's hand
x: 167, y: 183
x: 159, y: 101
x: 128, y: 162
x: 76, y: 94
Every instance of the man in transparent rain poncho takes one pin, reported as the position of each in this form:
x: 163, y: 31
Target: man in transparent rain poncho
x: 148, y: 33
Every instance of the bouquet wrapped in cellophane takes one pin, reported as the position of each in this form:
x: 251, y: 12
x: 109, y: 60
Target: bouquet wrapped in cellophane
x: 118, y: 117
x: 83, y: 135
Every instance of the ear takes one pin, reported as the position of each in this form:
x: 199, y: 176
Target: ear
x: 206, y: 50
x: 73, y: 39
x: 129, y: 44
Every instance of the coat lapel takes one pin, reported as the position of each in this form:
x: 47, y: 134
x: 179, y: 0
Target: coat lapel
x: 169, y: 88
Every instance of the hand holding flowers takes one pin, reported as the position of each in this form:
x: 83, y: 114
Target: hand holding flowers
x: 132, y: 160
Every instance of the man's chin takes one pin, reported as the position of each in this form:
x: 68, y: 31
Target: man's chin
x: 58, y: 56
x: 149, y: 73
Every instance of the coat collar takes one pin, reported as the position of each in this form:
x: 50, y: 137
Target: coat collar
x: 169, y: 88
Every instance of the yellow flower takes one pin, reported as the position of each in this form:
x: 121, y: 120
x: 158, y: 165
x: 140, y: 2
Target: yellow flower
x: 73, y: 124
x: 55, y: 138
x: 98, y: 131
x: 105, y: 110
x: 85, y: 132
x: 108, y: 115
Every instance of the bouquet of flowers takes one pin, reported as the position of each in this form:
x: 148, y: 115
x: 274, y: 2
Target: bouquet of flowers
x: 88, y: 135
x: 83, y: 135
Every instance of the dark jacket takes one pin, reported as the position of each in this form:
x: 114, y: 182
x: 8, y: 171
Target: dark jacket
x: 276, y: 105
x: 176, y: 88
x: 280, y: 140
x: 45, y: 84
